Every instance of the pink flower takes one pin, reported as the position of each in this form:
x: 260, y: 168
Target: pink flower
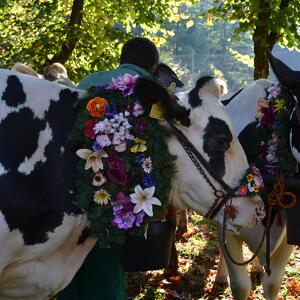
x: 137, y: 109
x: 258, y: 181
x: 243, y: 190
x: 124, y: 83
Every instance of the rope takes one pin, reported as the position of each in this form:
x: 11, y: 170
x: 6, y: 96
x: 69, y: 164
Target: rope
x: 246, y: 262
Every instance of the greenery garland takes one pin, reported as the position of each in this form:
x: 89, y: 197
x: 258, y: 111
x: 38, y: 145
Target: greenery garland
x: 274, y: 153
x: 125, y: 174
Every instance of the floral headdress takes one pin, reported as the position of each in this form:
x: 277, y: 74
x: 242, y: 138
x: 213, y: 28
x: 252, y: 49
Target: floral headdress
x: 272, y: 131
x: 125, y: 171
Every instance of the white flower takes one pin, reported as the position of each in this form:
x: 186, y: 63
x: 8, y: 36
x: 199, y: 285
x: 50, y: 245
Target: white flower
x: 93, y: 159
x: 143, y: 200
x: 250, y: 187
x: 147, y: 165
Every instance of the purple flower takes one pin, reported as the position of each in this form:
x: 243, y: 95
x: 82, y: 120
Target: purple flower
x: 117, y: 207
x: 103, y: 140
x: 121, y: 199
x: 99, y: 127
x: 124, y: 83
x: 137, y: 109
x: 140, y: 158
x: 268, y: 118
x: 110, y: 109
x: 149, y: 181
x: 139, y: 218
x: 140, y: 126
x: 116, y: 172
x: 274, y: 90
x: 121, y: 147
x: 124, y: 220
x: 96, y: 147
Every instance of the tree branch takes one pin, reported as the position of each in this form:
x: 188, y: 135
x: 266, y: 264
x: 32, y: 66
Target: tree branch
x: 72, y: 38
x: 274, y: 36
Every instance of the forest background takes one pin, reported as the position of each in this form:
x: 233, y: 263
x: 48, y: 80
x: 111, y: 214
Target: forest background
x: 224, y: 38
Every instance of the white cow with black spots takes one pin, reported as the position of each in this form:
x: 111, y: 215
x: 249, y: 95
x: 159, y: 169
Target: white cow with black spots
x: 242, y: 110
x: 43, y: 234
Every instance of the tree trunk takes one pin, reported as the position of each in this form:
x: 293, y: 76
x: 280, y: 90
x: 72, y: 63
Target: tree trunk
x: 264, y: 39
x: 72, y: 35
x: 260, y: 35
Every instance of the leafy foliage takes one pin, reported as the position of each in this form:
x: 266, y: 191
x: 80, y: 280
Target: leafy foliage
x: 268, y: 21
x: 32, y: 32
x: 201, y: 47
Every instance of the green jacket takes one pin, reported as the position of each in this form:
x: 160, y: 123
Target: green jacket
x: 101, y: 78
x: 101, y: 276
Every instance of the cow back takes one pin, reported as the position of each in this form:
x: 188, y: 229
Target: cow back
x: 37, y: 164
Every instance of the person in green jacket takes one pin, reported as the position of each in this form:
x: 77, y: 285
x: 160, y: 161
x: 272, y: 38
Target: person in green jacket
x: 101, y: 276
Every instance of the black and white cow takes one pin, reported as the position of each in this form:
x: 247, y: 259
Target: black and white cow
x: 242, y: 110
x: 42, y: 231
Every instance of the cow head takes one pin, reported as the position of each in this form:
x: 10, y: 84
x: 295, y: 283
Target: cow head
x: 211, y: 132
x: 56, y: 73
x: 290, y: 79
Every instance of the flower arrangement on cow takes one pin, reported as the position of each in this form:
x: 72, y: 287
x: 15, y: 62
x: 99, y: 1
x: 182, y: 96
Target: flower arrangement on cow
x: 273, y: 114
x: 125, y: 173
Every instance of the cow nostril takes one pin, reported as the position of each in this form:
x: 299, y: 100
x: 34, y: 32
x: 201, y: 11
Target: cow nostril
x: 222, y: 142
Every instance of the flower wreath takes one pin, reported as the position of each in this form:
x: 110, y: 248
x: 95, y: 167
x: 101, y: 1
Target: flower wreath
x: 273, y: 113
x: 125, y: 172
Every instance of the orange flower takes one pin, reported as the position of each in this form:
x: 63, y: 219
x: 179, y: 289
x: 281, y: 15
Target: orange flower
x: 261, y: 103
x: 96, y: 107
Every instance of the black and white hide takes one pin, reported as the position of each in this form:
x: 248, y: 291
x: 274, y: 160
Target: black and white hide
x: 41, y: 228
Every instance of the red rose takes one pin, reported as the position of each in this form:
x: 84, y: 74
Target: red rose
x: 88, y: 129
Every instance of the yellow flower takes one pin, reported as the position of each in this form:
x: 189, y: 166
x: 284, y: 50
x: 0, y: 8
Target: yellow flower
x: 250, y: 177
x: 256, y: 189
x: 139, y: 147
x: 279, y: 105
x: 101, y: 197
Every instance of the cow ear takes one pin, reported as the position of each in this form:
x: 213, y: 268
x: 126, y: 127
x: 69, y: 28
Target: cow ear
x: 167, y: 76
x: 285, y: 75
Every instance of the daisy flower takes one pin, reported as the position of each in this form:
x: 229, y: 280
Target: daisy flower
x: 101, y: 197
x: 147, y: 165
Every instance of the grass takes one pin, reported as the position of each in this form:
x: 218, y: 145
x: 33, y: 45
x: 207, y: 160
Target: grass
x: 198, y: 257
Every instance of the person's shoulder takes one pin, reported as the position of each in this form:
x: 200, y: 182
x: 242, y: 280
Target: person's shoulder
x: 92, y: 79
x: 134, y: 69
